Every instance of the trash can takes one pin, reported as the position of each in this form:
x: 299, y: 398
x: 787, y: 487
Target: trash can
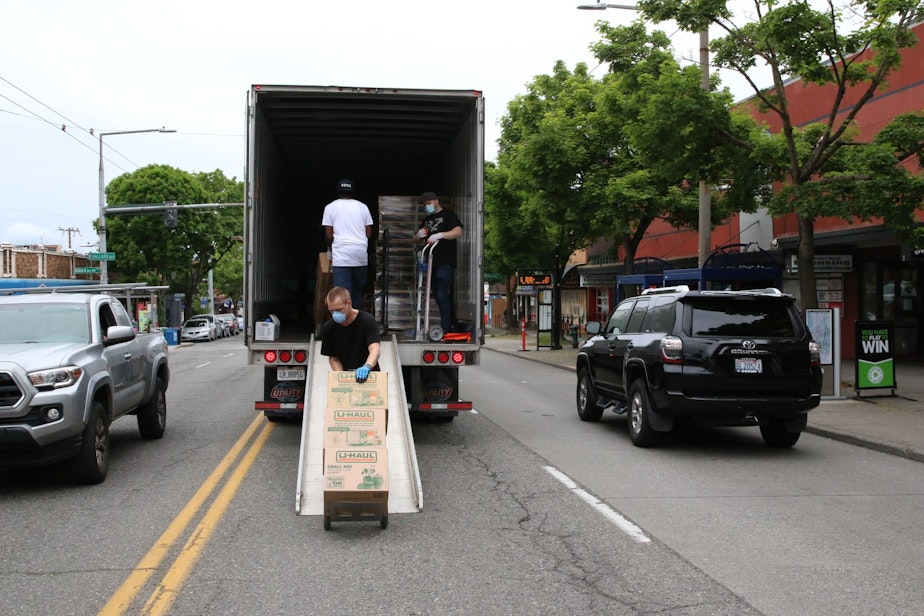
x: 172, y: 336
x: 573, y: 331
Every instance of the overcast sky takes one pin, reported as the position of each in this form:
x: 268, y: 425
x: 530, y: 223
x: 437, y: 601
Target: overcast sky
x: 113, y: 65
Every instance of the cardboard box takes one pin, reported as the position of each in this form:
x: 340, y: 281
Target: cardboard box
x: 267, y: 330
x: 343, y: 392
x: 351, y: 428
x: 356, y: 470
x: 323, y: 284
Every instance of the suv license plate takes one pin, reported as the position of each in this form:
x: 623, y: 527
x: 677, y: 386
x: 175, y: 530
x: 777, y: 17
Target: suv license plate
x: 748, y: 366
x: 290, y: 374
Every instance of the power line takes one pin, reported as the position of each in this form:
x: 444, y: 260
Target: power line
x: 63, y: 127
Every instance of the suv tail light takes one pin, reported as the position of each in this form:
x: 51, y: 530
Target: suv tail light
x: 815, y: 353
x: 672, y: 349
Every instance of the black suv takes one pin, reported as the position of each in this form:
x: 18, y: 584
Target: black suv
x: 724, y: 358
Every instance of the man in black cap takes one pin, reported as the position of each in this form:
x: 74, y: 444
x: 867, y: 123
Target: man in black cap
x: 347, y: 228
x: 443, y: 226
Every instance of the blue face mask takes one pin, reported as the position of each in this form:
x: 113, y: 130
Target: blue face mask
x: 338, y: 316
x: 429, y: 208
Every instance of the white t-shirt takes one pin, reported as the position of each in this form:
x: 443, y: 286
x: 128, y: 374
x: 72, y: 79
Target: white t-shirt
x: 349, y: 218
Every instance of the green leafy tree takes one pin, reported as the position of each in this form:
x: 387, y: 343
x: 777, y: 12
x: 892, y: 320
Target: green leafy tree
x: 849, y: 49
x: 228, y: 275
x: 228, y: 267
x: 512, y: 240
x: 545, y: 151
x: 178, y: 257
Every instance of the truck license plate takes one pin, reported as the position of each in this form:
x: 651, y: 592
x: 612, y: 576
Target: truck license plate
x: 748, y: 366
x: 290, y: 374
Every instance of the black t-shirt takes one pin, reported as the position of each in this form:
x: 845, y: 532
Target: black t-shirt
x: 444, y: 220
x: 350, y: 344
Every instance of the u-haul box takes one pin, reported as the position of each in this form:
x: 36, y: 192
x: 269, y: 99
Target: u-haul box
x: 344, y: 392
x: 354, y: 427
x: 356, y: 470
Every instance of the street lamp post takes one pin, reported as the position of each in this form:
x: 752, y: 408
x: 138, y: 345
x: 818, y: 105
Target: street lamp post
x: 104, y: 265
x: 705, y: 199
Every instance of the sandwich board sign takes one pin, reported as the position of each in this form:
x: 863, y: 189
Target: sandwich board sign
x: 875, y: 365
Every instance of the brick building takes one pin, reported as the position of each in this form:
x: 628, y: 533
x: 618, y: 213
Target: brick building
x: 41, y: 262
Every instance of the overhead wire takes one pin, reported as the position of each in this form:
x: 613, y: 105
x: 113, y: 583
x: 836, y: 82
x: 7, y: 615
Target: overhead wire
x: 63, y: 127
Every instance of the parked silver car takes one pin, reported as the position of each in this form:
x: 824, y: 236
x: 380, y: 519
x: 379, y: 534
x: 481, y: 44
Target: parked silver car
x: 216, y: 324
x: 198, y: 328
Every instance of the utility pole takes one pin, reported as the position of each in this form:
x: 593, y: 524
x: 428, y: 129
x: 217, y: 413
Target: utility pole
x: 70, y: 234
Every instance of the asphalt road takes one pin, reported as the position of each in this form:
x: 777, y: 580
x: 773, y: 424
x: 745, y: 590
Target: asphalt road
x: 732, y: 527
x: 823, y: 528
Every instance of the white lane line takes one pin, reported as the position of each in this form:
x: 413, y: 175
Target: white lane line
x: 203, y: 365
x: 608, y: 512
x: 228, y: 355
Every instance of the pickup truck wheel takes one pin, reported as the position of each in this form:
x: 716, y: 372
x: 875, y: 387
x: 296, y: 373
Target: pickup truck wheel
x: 152, y: 415
x: 587, y: 407
x: 92, y: 461
x: 640, y: 430
x: 775, y: 434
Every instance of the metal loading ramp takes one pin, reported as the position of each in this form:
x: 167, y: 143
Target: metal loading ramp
x: 405, y: 494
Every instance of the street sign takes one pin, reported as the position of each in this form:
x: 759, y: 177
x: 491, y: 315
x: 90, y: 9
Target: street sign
x: 86, y: 270
x: 101, y: 256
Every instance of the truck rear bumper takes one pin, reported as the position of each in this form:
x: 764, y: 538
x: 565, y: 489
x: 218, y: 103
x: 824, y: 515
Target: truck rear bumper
x: 680, y: 405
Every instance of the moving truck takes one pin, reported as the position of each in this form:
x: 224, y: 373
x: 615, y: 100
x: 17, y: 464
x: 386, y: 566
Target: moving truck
x: 394, y: 144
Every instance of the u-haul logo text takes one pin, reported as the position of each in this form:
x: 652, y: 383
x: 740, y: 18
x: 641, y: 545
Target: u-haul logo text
x: 349, y: 378
x: 357, y: 456
x: 354, y: 416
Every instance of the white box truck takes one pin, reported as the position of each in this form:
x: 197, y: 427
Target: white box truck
x: 394, y: 144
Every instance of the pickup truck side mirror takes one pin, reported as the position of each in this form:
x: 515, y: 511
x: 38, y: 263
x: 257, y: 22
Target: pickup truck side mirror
x: 117, y: 334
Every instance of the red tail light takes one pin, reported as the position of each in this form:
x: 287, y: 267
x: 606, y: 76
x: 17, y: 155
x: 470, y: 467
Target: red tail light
x: 458, y: 357
x: 443, y: 357
x: 301, y: 356
x: 428, y: 357
x: 269, y: 357
x: 672, y: 350
x: 815, y: 353
x: 285, y: 356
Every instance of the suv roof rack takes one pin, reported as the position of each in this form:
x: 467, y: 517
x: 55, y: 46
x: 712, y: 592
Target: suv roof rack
x: 771, y: 291
x: 87, y: 288
x: 681, y: 288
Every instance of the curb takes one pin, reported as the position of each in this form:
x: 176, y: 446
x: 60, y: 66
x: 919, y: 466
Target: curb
x: 866, y: 443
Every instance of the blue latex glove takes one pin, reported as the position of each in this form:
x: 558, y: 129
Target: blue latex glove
x: 362, y: 373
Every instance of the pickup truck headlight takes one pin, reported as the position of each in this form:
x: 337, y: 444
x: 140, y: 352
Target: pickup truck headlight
x: 55, y: 377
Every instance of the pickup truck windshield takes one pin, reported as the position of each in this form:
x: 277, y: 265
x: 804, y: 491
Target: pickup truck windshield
x: 56, y: 323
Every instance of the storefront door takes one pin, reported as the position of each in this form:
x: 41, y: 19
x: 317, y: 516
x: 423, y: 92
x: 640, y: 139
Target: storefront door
x: 891, y: 292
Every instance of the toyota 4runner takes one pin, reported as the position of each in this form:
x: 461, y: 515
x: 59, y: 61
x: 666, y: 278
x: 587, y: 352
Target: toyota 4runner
x: 723, y: 358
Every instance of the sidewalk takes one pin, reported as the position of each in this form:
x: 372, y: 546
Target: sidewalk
x: 891, y: 424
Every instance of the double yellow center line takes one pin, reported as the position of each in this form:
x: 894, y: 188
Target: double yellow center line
x: 166, y: 592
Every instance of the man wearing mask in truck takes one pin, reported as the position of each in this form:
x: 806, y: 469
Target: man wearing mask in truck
x: 350, y: 340
x: 347, y: 228
x: 443, y: 226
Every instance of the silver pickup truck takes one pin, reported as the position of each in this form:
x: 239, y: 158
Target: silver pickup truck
x: 70, y: 364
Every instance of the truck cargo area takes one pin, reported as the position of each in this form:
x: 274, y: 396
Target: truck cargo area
x: 303, y: 139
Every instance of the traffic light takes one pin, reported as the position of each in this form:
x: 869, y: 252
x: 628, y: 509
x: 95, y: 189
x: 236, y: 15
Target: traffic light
x: 170, y: 217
